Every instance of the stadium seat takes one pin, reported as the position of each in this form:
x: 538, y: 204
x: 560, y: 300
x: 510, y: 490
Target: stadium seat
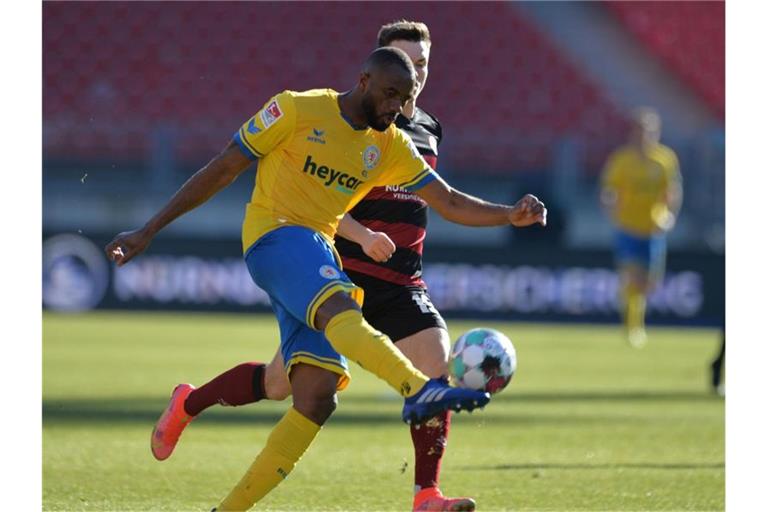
x: 689, y: 37
x: 504, y: 96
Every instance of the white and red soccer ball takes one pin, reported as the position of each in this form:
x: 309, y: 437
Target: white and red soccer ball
x: 483, y: 359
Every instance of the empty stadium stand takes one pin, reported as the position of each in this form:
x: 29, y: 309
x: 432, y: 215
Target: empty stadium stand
x: 689, y: 37
x: 118, y: 74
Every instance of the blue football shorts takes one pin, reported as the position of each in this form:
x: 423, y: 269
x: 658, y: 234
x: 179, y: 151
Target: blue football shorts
x: 299, y: 269
x: 647, y: 252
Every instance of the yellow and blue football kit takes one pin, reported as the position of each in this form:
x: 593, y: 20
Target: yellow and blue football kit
x: 641, y: 184
x: 313, y: 167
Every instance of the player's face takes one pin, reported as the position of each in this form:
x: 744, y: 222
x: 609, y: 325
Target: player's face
x: 418, y: 51
x: 385, y: 93
x: 644, y: 134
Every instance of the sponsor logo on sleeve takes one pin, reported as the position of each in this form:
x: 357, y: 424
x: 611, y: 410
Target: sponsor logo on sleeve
x: 270, y: 114
x: 253, y: 129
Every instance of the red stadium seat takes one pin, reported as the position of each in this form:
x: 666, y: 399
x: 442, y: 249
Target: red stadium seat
x: 687, y: 36
x: 504, y: 97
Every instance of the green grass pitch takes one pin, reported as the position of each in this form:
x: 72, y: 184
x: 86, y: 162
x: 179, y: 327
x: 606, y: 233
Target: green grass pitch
x: 586, y: 424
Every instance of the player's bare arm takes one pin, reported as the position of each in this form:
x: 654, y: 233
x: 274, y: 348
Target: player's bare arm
x: 674, y: 197
x: 666, y: 216
x: 204, y: 184
x: 461, y: 208
x: 375, y: 244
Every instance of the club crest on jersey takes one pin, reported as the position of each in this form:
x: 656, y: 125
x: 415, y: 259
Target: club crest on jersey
x: 371, y: 157
x: 270, y: 114
x: 329, y: 272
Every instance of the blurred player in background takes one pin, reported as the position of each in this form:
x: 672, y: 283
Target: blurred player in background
x: 642, y: 194
x: 319, y: 153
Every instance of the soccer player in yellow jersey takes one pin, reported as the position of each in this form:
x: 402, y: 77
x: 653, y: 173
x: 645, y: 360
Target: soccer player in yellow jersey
x: 319, y: 153
x: 642, y: 193
x: 397, y: 302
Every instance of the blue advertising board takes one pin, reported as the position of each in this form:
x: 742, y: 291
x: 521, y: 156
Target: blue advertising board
x: 514, y: 283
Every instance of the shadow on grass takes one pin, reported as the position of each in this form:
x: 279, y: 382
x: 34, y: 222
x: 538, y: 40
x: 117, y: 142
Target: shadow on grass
x: 610, y: 396
x: 612, y: 465
x: 353, y: 409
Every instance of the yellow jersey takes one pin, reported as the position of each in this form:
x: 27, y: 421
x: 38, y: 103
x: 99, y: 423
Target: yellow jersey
x: 641, y: 184
x: 314, y: 166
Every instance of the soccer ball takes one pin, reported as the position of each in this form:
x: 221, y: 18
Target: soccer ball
x: 483, y: 359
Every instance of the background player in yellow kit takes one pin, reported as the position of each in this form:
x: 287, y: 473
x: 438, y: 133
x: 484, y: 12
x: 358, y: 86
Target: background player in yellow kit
x: 303, y: 187
x: 642, y: 193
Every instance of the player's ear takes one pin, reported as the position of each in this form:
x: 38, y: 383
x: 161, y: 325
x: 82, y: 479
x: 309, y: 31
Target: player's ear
x: 364, y: 80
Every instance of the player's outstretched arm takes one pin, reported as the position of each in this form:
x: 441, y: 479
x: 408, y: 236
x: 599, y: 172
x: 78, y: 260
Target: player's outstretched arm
x: 674, y: 197
x: 375, y: 244
x: 204, y: 184
x: 468, y: 210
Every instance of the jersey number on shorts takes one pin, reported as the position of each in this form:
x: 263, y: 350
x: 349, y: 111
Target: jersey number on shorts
x: 422, y: 300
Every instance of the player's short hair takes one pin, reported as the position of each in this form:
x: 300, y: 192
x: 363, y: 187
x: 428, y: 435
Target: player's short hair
x: 381, y: 58
x: 404, y: 30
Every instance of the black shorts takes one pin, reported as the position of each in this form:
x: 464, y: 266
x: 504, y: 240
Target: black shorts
x: 397, y: 311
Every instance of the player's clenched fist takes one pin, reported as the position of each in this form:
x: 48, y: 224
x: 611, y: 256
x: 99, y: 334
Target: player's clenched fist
x: 528, y: 210
x: 378, y: 246
x: 126, y: 245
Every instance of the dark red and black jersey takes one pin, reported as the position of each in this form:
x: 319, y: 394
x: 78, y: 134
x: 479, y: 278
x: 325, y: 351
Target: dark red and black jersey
x: 400, y: 214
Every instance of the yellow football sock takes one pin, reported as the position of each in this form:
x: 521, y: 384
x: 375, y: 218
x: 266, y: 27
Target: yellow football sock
x: 352, y: 336
x: 636, y: 310
x: 286, y: 444
x: 634, y: 307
